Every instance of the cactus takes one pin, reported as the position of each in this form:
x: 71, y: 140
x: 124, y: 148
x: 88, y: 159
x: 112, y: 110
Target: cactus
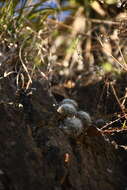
x: 85, y: 118
x: 72, y: 126
x: 67, y: 110
x: 69, y: 101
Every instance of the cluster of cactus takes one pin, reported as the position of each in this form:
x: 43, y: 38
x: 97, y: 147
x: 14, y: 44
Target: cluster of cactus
x: 75, y: 122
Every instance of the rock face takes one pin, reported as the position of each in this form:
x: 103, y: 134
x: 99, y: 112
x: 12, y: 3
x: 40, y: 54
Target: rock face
x: 36, y: 154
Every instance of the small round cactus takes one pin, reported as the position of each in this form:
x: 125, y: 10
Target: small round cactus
x: 100, y: 123
x: 85, y: 118
x: 67, y: 110
x: 72, y: 126
x: 69, y: 101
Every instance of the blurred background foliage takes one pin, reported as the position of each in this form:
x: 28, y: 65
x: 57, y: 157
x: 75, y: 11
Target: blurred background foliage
x: 74, y: 42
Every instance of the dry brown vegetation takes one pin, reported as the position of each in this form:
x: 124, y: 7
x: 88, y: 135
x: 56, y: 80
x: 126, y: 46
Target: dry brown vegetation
x: 45, y: 58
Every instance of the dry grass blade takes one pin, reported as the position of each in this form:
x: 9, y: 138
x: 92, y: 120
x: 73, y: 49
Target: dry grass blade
x: 124, y: 67
x: 24, y: 66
